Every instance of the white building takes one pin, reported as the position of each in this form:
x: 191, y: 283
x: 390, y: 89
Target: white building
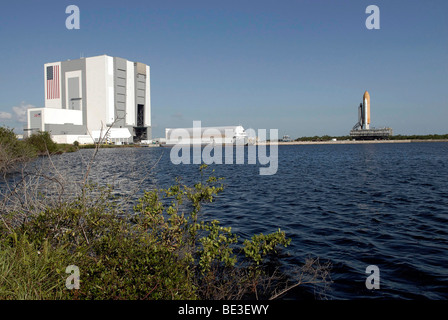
x: 206, y: 135
x: 87, y: 96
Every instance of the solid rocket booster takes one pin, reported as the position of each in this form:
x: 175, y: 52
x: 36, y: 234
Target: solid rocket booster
x: 366, y: 110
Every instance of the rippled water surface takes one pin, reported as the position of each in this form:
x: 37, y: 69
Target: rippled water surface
x: 353, y: 205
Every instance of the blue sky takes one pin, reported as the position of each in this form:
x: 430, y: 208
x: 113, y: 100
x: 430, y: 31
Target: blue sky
x: 297, y: 66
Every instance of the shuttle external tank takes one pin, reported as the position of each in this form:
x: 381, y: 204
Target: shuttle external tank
x: 366, y: 110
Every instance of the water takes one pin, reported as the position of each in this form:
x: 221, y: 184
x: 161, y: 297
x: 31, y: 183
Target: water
x: 352, y: 205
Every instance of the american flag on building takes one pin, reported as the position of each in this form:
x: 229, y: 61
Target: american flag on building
x: 53, y: 82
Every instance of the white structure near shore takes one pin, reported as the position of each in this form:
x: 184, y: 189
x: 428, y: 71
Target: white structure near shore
x: 94, y: 94
x: 206, y: 135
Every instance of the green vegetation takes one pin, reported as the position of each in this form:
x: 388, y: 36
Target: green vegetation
x: 394, y: 137
x: 42, y: 143
x: 420, y: 137
x: 14, y: 151
x: 30, y: 274
x: 162, y: 249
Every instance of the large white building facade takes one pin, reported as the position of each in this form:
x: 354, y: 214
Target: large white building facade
x: 87, y: 96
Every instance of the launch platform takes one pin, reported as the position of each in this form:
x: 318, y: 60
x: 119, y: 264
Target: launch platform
x: 371, y: 134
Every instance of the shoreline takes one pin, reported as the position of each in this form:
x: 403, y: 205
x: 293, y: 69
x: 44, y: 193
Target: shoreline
x: 354, y: 142
x: 280, y: 143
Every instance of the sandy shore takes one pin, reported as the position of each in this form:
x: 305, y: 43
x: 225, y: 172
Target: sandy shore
x: 353, y: 142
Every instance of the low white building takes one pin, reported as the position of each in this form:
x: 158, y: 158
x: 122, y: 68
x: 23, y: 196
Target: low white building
x: 206, y: 135
x: 89, y: 95
x: 112, y: 135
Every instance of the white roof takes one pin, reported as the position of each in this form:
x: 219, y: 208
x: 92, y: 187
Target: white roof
x: 220, y: 129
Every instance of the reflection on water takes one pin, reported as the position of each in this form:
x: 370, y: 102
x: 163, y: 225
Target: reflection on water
x: 354, y: 205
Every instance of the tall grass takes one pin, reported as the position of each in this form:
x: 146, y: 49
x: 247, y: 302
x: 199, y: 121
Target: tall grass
x: 31, y: 273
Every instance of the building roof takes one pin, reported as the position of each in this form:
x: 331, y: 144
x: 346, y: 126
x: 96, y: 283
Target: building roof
x: 208, y: 131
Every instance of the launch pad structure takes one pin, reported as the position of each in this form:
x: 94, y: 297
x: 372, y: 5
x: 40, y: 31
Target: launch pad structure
x: 362, y: 130
x: 371, y: 134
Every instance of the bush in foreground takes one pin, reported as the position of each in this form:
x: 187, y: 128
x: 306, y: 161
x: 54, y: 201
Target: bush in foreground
x: 14, y: 151
x: 161, y: 250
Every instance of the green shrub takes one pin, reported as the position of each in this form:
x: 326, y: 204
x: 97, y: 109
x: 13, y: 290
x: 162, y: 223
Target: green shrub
x: 42, y: 142
x: 260, y: 245
x: 161, y: 250
x: 13, y: 151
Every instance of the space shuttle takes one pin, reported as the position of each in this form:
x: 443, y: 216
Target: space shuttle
x: 364, y: 113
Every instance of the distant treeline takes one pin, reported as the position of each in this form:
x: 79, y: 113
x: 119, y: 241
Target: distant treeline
x: 420, y: 137
x: 323, y: 138
x: 395, y: 137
